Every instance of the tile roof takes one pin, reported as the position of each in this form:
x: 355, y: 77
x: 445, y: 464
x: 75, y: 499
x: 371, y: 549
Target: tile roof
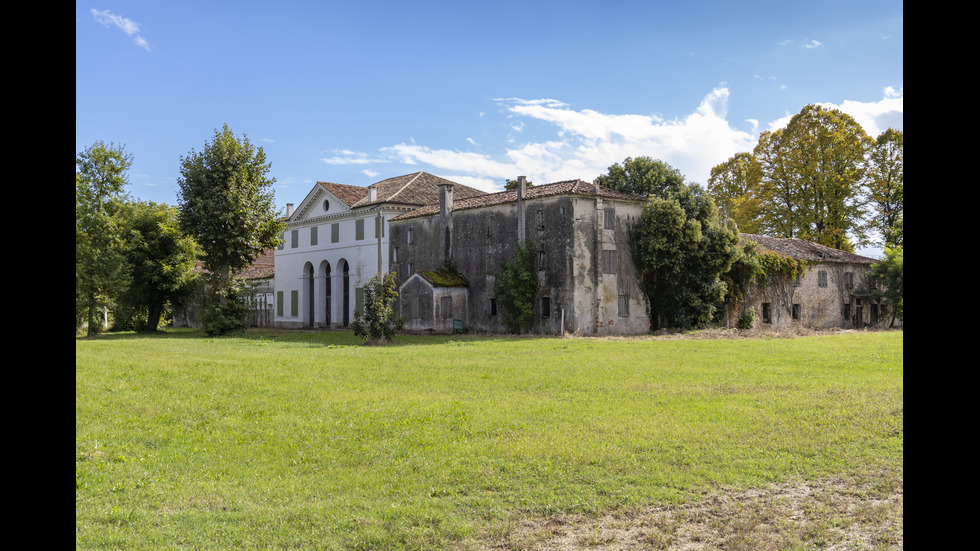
x: 567, y: 187
x: 419, y: 188
x: 346, y: 193
x: 804, y: 250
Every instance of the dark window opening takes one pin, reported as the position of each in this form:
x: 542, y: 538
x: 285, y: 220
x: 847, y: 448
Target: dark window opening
x: 545, y: 307
x: 796, y: 311
x: 766, y: 313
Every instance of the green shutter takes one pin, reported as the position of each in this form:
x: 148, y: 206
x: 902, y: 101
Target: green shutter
x: 293, y: 302
x: 295, y: 239
x: 313, y: 235
x: 359, y: 299
x: 359, y: 229
x: 334, y: 233
x: 279, y: 305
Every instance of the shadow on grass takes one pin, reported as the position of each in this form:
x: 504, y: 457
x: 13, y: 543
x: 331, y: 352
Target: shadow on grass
x: 326, y: 338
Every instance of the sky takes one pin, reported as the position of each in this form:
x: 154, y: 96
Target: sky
x: 477, y: 92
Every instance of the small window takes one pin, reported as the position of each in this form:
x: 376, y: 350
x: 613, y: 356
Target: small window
x: 624, y: 306
x: 334, y: 232
x: 359, y: 230
x: 545, y: 307
x: 313, y: 235
x: 493, y: 307
x: 609, y: 262
x: 846, y: 312
x: 294, y: 239
x: 766, y: 313
x: 796, y: 311
x: 848, y: 280
x: 822, y: 278
x: 542, y: 261
x: 411, y: 269
x: 609, y: 219
x: 394, y: 254
x: 539, y: 216
x: 446, y: 305
x: 409, y: 235
x: 326, y: 205
x: 797, y: 280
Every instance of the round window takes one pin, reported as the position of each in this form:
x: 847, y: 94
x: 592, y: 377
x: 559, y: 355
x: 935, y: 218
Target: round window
x: 326, y: 204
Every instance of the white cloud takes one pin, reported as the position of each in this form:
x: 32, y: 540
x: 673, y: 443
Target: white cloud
x: 370, y: 173
x: 874, y: 117
x: 126, y: 25
x: 812, y: 44
x: 348, y: 157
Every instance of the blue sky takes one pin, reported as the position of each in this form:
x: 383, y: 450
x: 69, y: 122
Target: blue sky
x: 477, y: 92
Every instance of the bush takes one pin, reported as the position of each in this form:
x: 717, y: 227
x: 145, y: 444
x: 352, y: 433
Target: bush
x: 225, y: 310
x: 747, y: 319
x: 378, y: 323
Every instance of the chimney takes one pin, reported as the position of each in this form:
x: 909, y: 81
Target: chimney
x: 372, y: 194
x: 521, y: 184
x: 289, y: 210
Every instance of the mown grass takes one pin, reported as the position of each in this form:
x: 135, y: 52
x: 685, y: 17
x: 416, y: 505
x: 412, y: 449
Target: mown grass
x: 308, y: 440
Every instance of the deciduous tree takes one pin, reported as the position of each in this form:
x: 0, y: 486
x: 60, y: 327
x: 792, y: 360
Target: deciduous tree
x: 734, y: 186
x: 886, y: 187
x: 161, y: 263
x: 643, y: 176
x: 100, y: 264
x: 226, y: 203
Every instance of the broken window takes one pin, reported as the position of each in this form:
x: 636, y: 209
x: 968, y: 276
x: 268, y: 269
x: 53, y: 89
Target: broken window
x: 539, y: 218
x: 822, y: 278
x: 609, y: 219
x: 542, y: 259
x: 493, y: 307
x: 624, y: 306
x: 848, y: 280
x: 766, y: 313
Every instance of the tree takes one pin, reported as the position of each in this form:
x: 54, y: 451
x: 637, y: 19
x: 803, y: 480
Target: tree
x: 643, y: 176
x: 734, y: 186
x: 516, y: 288
x: 886, y: 187
x: 512, y: 184
x: 887, y: 279
x: 811, y: 174
x: 378, y: 324
x: 100, y: 265
x: 226, y: 204
x: 161, y: 264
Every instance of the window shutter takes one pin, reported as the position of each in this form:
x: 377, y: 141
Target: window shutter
x: 313, y: 236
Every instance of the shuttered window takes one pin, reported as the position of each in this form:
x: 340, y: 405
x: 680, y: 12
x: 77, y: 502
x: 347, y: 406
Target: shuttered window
x: 359, y: 229
x: 334, y: 233
x: 313, y: 236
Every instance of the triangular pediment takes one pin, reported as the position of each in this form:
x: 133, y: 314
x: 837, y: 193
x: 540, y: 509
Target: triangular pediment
x: 327, y: 199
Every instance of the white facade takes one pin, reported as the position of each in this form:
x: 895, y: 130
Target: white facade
x: 335, y: 242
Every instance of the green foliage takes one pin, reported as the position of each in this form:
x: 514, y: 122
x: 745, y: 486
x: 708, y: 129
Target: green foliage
x: 516, y: 288
x: 226, y: 202
x: 681, y: 249
x: 886, y: 187
x: 734, y: 186
x: 512, y: 184
x: 161, y: 265
x: 226, y: 308
x: 378, y: 324
x: 887, y: 279
x: 753, y: 269
x: 643, y: 176
x: 100, y: 263
x: 747, y: 320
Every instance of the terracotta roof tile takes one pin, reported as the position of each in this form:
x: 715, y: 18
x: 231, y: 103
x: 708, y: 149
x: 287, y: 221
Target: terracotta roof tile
x: 346, y: 193
x: 804, y: 250
x: 576, y: 187
x: 419, y: 188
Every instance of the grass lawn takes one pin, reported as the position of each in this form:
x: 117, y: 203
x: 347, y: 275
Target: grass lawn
x: 311, y: 441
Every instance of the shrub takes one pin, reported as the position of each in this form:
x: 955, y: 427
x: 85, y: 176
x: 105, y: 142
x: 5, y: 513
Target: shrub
x: 378, y: 324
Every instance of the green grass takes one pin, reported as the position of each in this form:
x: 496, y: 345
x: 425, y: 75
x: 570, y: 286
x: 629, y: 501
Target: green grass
x: 308, y: 440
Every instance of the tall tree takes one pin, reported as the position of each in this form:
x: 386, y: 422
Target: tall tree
x: 887, y: 278
x: 226, y: 203
x: 643, y: 176
x: 886, y: 187
x: 734, y: 186
x: 100, y: 265
x: 161, y: 263
x: 816, y: 165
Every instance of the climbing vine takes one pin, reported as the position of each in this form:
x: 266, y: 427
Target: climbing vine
x: 516, y: 288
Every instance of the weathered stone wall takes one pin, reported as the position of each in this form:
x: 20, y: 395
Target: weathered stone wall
x: 843, y: 301
x: 565, y: 235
